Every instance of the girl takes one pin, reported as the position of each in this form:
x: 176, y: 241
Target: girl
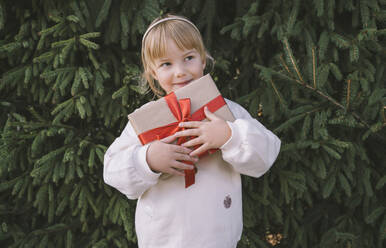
x: 208, y: 214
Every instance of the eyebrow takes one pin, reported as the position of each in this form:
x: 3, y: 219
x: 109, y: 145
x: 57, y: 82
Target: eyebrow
x: 189, y: 51
x: 186, y: 53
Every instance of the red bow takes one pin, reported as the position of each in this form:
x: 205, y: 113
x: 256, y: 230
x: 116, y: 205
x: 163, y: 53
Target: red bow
x: 181, y: 111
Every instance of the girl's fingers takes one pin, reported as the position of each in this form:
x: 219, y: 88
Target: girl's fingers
x: 198, y: 151
x: 182, y: 166
x: 185, y: 157
x: 169, y: 139
x: 193, y: 142
x: 188, y: 132
x: 175, y: 172
x: 190, y: 124
x: 181, y: 149
x: 211, y: 116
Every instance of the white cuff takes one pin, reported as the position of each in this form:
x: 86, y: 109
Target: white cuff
x: 233, y: 143
x: 142, y: 166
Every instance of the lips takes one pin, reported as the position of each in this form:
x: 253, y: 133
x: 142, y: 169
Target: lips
x: 184, y: 83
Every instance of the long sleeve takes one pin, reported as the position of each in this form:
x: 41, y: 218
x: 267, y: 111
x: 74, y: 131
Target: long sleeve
x: 125, y: 166
x: 252, y: 148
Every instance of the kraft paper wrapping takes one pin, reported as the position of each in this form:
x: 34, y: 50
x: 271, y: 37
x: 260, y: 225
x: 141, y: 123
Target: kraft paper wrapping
x: 157, y: 114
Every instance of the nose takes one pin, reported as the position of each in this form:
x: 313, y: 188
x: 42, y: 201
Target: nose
x: 179, y: 70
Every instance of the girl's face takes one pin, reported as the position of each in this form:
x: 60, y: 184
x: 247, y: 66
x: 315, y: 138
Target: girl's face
x: 178, y: 67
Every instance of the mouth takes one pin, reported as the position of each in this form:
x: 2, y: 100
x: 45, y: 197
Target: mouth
x: 184, y: 83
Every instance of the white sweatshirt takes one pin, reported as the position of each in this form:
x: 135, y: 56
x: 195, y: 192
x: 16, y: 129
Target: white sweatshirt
x: 207, y: 214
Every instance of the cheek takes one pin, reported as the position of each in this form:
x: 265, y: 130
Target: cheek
x: 162, y: 77
x: 164, y: 83
x: 201, y: 69
x: 197, y: 68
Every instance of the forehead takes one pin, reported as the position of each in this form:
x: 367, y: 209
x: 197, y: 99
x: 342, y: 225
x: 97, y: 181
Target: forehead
x: 167, y: 43
x: 171, y: 49
x: 182, y: 34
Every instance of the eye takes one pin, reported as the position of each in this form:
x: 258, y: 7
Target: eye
x: 190, y: 57
x: 165, y: 64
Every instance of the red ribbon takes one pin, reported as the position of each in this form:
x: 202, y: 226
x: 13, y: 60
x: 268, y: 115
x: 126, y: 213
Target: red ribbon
x: 181, y: 111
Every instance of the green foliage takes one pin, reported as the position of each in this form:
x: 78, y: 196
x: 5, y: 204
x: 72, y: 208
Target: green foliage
x: 311, y: 71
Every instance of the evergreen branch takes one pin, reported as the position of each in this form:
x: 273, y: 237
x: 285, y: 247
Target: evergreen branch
x: 93, y: 59
x: 348, y: 93
x: 47, y: 157
x: 104, y: 11
x: 321, y: 94
x: 49, y: 125
x: 89, y: 44
x: 8, y: 184
x: 276, y: 91
x: 62, y: 42
x: 90, y: 35
x: 44, y: 57
x: 11, y: 46
x: 55, y: 228
x: 293, y: 60
x: 332, y: 100
x: 15, y: 212
x: 2, y: 17
x: 294, y: 119
x: 314, y: 66
x: 288, y: 70
x: 52, y: 29
x: 73, y: 18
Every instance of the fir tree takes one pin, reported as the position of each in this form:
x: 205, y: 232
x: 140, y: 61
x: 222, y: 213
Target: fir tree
x: 311, y: 71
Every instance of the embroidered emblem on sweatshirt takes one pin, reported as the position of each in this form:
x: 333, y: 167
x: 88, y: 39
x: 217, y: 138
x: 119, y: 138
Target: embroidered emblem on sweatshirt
x: 227, y: 201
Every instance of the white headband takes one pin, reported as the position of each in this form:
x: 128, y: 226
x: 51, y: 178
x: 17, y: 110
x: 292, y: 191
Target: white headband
x: 164, y: 20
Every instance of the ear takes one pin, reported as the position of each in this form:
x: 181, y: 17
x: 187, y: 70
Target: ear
x: 203, y: 64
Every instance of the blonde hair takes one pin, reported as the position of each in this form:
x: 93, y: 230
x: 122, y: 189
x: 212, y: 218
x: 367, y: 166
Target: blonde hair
x: 181, y: 31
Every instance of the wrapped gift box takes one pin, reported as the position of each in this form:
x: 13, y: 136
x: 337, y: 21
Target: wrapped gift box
x: 159, y: 119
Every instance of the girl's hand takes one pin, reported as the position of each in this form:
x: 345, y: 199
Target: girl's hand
x: 162, y: 156
x: 210, y: 134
